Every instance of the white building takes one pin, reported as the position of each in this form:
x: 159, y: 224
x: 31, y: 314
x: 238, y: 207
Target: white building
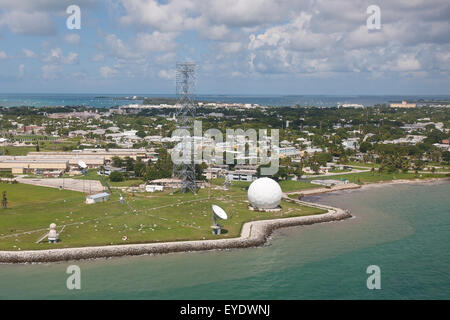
x: 242, y: 175
x: 351, y: 143
x: 99, y: 197
x: 312, y: 150
x: 288, y: 152
x: 351, y: 105
x: 153, y: 188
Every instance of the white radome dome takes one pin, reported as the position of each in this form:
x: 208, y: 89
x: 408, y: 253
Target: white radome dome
x: 264, y: 193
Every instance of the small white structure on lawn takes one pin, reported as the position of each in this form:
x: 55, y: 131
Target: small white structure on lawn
x: 53, y: 235
x: 153, y: 188
x: 99, y: 197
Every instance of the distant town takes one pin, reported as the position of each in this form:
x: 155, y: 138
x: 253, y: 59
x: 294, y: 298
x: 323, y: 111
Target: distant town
x: 131, y: 144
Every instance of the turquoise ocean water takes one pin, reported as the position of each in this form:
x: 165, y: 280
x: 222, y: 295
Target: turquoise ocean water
x: 110, y: 100
x: 404, y: 229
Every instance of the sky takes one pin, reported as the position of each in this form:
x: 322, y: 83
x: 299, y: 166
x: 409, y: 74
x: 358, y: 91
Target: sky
x: 240, y: 46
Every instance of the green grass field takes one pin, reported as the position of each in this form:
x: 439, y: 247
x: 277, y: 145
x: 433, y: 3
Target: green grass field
x: 17, y: 151
x: 92, y: 175
x: 158, y: 217
x: 44, y: 145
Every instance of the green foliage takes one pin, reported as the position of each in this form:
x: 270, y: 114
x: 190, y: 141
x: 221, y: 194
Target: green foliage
x: 139, y: 168
x: 199, y: 169
x: 129, y: 164
x: 365, y: 146
x: 5, y: 174
x: 282, y: 174
x: 141, y: 133
x: 116, y: 176
x: 446, y: 156
x: 117, y: 162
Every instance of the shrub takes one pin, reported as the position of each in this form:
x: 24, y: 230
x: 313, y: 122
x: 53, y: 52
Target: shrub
x: 116, y: 176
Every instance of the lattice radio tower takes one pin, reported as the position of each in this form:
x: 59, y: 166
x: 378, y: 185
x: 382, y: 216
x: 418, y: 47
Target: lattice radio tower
x: 185, y: 81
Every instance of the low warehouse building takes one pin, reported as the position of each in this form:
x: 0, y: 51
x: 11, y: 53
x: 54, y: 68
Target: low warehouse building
x: 99, y: 197
x: 107, y: 155
x: 33, y: 166
x: 90, y: 161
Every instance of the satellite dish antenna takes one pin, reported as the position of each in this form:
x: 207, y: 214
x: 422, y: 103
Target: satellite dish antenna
x: 82, y: 164
x: 218, y: 212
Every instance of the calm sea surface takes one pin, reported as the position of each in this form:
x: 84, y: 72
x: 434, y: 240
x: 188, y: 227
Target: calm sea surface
x: 110, y: 100
x: 404, y: 229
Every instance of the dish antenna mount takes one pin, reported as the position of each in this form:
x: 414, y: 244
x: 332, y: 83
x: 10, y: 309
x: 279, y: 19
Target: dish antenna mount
x: 218, y: 213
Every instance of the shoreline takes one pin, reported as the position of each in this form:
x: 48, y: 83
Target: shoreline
x: 253, y: 234
x: 405, y: 181
x: 352, y: 186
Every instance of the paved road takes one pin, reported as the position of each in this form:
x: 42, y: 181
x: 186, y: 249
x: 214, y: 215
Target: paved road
x: 86, y: 186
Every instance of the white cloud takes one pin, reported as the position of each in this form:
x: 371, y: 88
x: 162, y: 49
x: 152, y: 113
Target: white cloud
x: 169, y: 57
x: 168, y: 17
x: 139, y: 47
x: 56, y: 56
x: 156, y: 41
x: 29, y: 53
x: 167, y: 74
x: 295, y: 35
x: 237, y: 13
x: 43, y: 5
x: 285, y: 36
x: 37, y: 18
x: 107, y: 72
x: 178, y: 15
x: 239, y: 38
x: 407, y: 63
x: 332, y: 37
x: 28, y: 23
x: 117, y: 47
x: 72, y: 38
x: 71, y: 58
x: 3, y: 55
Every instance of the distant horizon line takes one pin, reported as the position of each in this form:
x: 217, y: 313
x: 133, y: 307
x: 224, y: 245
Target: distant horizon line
x: 229, y: 94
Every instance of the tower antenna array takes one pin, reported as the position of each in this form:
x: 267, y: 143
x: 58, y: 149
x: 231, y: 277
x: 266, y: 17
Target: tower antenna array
x: 185, y: 83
